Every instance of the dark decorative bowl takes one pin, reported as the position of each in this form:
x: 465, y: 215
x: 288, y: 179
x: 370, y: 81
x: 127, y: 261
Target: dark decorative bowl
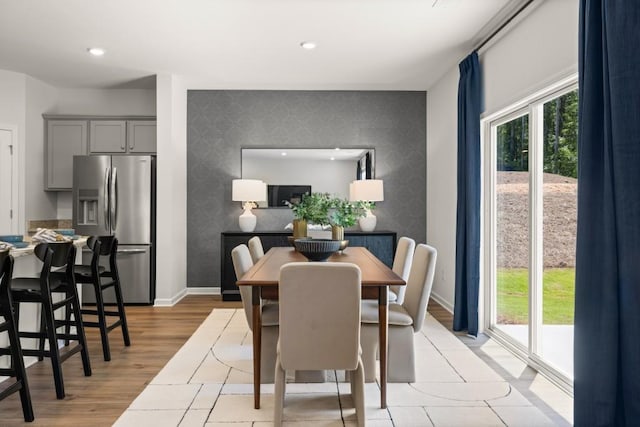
x: 317, y: 249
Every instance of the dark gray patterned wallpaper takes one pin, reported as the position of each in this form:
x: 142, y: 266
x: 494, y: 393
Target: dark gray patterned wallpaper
x: 222, y: 122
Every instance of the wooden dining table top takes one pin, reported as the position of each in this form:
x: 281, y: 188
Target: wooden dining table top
x: 266, y: 271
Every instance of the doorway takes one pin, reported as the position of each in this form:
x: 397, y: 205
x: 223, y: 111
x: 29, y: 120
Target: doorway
x: 9, y: 202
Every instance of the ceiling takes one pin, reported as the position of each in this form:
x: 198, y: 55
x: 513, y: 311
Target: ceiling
x: 244, y: 44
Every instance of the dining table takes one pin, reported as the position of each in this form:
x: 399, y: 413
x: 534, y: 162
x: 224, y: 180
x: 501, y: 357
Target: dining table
x: 376, y: 277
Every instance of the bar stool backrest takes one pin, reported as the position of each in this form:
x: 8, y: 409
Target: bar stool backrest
x: 6, y: 270
x: 61, y: 253
x: 106, y: 244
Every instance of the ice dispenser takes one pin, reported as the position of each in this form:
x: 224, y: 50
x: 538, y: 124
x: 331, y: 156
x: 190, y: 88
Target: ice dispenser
x: 88, y: 207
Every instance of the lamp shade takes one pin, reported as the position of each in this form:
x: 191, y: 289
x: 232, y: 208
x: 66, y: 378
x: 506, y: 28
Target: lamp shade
x: 248, y: 190
x: 369, y: 190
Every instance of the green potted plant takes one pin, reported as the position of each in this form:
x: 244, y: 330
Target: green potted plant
x: 344, y: 214
x: 312, y: 209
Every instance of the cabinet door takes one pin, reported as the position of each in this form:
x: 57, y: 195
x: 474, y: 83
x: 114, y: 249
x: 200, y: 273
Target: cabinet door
x: 141, y: 136
x: 65, y: 139
x: 108, y: 136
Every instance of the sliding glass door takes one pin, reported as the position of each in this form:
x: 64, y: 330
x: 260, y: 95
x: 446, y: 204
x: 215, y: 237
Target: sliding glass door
x: 531, y: 187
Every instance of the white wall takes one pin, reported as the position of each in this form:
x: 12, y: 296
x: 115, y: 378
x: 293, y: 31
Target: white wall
x: 171, y: 244
x: 40, y: 97
x: 540, y: 48
x: 12, y: 113
x: 130, y: 102
x: 442, y: 115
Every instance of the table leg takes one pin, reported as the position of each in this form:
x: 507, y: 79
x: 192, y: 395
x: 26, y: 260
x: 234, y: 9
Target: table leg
x: 257, y: 343
x: 383, y: 315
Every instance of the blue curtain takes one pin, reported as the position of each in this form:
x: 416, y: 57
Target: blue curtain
x: 607, y: 310
x: 465, y: 314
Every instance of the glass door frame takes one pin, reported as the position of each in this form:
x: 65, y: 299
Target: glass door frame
x: 533, y: 106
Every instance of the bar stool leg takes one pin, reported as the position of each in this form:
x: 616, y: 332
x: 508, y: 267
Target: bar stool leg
x: 82, y: 339
x: 56, y: 364
x: 123, y: 317
x: 102, y: 320
x: 21, y: 374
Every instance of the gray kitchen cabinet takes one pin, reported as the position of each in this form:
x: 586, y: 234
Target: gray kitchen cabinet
x: 108, y: 136
x: 122, y: 136
x: 141, y: 136
x: 65, y: 139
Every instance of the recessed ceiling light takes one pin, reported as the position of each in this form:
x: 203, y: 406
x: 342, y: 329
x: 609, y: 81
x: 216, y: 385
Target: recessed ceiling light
x: 308, y: 45
x: 96, y: 51
x: 283, y: 153
x: 337, y: 148
x: 333, y: 158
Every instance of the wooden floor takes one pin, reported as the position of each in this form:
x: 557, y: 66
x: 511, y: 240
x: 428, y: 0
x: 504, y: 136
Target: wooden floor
x: 156, y: 334
x: 98, y: 400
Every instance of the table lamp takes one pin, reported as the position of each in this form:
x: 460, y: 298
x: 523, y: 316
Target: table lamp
x: 367, y: 190
x: 248, y: 191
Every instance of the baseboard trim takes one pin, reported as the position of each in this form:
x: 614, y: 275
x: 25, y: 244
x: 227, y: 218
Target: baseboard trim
x: 204, y: 291
x: 170, y: 302
x: 444, y: 303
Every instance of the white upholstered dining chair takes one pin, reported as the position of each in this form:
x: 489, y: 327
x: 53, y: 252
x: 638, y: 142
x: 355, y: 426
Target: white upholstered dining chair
x: 241, y: 264
x: 255, y: 248
x: 319, y: 326
x: 405, y: 320
x: 402, y: 266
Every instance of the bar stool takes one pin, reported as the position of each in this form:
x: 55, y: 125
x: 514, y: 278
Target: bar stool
x: 60, y: 255
x: 16, y: 367
x: 102, y: 246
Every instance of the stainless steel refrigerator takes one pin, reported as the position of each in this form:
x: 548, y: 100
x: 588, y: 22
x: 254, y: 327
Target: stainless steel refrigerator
x: 115, y: 195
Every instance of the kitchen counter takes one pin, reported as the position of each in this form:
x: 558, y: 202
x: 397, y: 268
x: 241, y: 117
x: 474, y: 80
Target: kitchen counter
x: 20, y: 252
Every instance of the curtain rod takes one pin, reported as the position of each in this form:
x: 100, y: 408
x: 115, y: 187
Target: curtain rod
x: 504, y: 24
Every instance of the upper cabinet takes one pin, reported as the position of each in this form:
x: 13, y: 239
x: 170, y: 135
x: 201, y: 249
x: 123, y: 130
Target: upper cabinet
x: 65, y: 139
x: 141, y: 136
x: 108, y: 136
x: 122, y: 136
x: 68, y: 136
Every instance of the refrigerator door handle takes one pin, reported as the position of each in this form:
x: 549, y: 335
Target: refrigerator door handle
x: 114, y: 200
x: 131, y: 251
x: 107, y: 223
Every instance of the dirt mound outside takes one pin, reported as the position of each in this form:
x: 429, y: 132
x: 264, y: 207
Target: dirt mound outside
x: 559, y: 220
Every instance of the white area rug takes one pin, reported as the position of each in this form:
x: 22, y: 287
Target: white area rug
x: 209, y: 383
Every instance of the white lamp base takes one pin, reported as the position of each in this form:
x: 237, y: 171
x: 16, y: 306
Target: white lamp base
x: 247, y: 220
x: 368, y: 222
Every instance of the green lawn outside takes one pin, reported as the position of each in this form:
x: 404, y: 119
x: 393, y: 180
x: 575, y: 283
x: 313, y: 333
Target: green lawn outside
x: 558, y: 296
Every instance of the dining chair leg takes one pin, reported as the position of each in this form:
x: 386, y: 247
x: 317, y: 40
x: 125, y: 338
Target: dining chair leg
x: 278, y: 395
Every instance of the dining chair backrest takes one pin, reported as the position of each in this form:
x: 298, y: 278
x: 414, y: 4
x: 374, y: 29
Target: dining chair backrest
x: 419, y: 284
x: 242, y: 262
x: 255, y: 248
x: 402, y: 264
x: 319, y: 315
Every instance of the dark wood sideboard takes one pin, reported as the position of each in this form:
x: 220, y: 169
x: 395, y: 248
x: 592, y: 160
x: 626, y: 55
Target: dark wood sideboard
x: 380, y: 243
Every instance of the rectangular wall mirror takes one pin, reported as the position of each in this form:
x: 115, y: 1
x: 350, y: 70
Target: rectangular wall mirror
x: 289, y: 172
